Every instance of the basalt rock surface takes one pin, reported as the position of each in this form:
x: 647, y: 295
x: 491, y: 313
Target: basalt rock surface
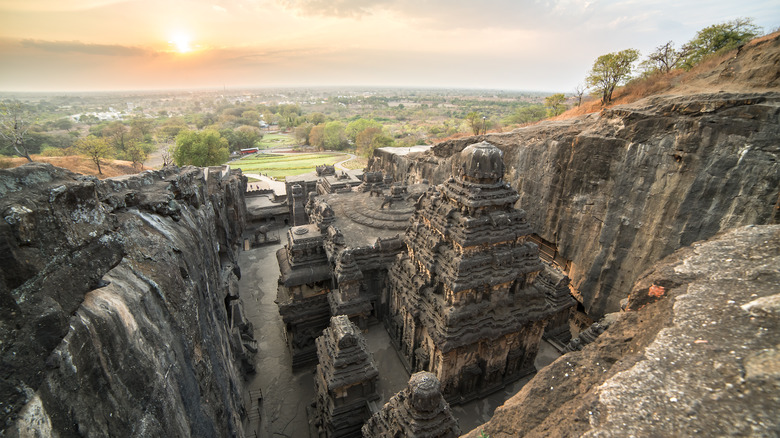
x: 696, y: 354
x: 115, y: 303
x: 619, y: 190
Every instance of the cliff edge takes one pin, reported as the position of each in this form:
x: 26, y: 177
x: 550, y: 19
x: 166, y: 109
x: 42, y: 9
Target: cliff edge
x: 696, y: 354
x: 616, y: 191
x: 115, y: 316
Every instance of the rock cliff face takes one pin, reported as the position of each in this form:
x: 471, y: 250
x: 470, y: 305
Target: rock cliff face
x: 114, y: 298
x: 697, y: 354
x: 619, y: 190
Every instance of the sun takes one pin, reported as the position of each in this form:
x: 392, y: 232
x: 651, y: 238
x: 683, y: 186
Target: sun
x: 181, y: 43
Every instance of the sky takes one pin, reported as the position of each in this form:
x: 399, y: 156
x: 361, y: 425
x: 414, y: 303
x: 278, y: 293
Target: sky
x: 535, y: 45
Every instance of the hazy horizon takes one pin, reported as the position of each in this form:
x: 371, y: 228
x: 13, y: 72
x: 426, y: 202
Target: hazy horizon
x: 166, y: 45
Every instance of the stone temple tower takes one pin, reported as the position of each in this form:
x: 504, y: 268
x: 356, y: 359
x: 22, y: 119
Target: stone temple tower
x: 462, y: 301
x: 418, y: 411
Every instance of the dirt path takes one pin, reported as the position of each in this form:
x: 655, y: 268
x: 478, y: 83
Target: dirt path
x: 340, y: 164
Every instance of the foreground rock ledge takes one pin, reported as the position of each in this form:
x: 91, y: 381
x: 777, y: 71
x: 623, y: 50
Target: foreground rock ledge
x: 697, y: 354
x: 113, y: 293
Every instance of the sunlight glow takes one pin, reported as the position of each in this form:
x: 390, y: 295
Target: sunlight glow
x: 181, y: 43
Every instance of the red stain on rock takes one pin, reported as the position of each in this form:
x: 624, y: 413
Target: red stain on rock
x: 656, y: 291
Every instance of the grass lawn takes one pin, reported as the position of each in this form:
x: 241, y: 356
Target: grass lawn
x: 282, y: 165
x: 277, y: 140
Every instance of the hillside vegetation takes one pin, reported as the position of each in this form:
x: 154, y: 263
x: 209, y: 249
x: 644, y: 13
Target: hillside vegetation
x: 755, y: 70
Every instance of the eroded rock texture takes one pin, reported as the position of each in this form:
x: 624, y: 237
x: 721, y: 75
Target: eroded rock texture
x: 619, y: 190
x: 696, y: 354
x: 117, y: 303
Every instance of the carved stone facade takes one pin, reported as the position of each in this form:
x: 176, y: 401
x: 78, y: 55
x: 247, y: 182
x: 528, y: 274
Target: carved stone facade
x: 337, y: 264
x: 297, y: 210
x: 303, y: 287
x: 555, y: 285
x: 419, y: 411
x: 345, y: 381
x: 462, y: 299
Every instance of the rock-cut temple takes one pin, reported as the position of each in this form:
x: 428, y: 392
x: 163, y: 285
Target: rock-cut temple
x: 449, y: 270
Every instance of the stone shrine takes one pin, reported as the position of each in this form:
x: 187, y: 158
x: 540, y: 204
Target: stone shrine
x: 303, y: 287
x: 345, y: 381
x: 337, y: 263
x: 462, y: 299
x: 418, y: 411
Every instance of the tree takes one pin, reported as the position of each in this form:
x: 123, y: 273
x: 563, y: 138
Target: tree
x: 97, y: 149
x: 170, y: 129
x: 365, y: 139
x: 356, y: 126
x: 664, y: 59
x: 141, y: 127
x: 611, y: 70
x: 527, y: 114
x: 167, y: 154
x: 200, y: 148
x: 117, y: 134
x: 555, y: 104
x: 334, y: 136
x: 89, y: 119
x: 579, y: 90
x: 316, y: 118
x: 475, y: 121
x: 302, y: 132
x: 718, y: 38
x: 317, y: 136
x: 136, y: 152
x: 64, y: 124
x: 15, y: 122
x: 243, y: 137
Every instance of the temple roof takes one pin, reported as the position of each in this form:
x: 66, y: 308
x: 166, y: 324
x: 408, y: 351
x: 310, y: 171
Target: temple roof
x: 479, y: 162
x: 343, y: 354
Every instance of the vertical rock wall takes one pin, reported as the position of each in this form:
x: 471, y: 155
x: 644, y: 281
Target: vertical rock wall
x: 619, y: 190
x: 113, y: 293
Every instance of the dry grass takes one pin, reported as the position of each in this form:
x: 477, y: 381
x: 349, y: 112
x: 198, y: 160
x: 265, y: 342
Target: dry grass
x: 79, y: 164
x: 705, y: 77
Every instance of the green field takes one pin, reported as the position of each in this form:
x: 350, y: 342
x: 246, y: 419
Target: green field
x: 282, y: 165
x: 277, y: 141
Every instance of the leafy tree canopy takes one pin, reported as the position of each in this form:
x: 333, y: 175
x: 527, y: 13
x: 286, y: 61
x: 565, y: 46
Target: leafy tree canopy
x: 555, y: 104
x: 96, y: 148
x: 356, y: 126
x: 718, y: 38
x: 335, y: 137
x: 611, y: 70
x: 243, y: 137
x: 475, y: 121
x: 200, y: 148
x: 317, y: 136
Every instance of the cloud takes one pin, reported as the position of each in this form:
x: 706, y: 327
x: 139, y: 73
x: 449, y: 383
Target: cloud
x: 335, y: 8
x: 58, y: 5
x: 218, y: 8
x: 89, y: 49
x: 454, y: 14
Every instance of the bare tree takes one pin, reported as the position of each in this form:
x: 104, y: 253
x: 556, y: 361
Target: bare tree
x: 665, y: 58
x: 167, y: 154
x: 15, y: 121
x: 579, y: 90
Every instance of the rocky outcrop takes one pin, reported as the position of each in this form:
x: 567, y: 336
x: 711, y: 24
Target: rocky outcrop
x: 696, y: 354
x: 117, y: 300
x: 619, y: 190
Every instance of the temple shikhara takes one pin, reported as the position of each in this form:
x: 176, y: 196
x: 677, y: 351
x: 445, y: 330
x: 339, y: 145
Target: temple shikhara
x: 462, y: 298
x: 450, y: 271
